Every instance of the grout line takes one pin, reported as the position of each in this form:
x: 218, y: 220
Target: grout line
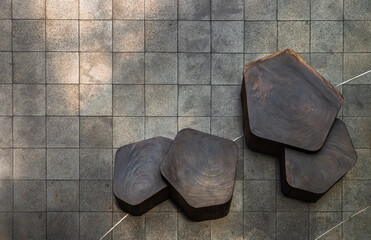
x: 112, y: 91
x: 12, y: 149
x: 46, y: 131
x: 79, y: 109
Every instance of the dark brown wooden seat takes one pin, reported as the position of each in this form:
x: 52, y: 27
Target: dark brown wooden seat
x: 200, y: 169
x: 307, y: 176
x: 137, y: 184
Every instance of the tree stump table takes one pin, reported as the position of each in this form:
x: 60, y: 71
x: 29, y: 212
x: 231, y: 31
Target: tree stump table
x: 200, y: 170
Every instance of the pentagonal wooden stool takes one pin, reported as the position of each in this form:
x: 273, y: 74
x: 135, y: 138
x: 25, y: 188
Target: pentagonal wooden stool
x: 200, y: 169
x: 308, y: 176
x: 137, y: 184
x: 286, y: 103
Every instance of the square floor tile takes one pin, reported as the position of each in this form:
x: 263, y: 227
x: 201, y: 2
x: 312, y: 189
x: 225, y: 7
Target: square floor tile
x: 188, y: 229
x: 127, y: 130
x: 261, y: 37
x: 260, y: 10
x: 5, y: 35
x: 356, y: 194
x: 193, y: 36
x: 359, y: 129
x: 133, y: 229
x: 329, y: 65
x: 62, y: 99
x: 29, y: 132
x: 95, y: 100
x: 128, y: 68
x: 62, y: 164
x: 292, y: 225
x: 229, y: 227
x: 93, y: 225
x: 95, y: 9
x: 260, y: 225
x: 237, y: 198
x: 161, y: 126
x: 357, y: 10
x: 327, y: 10
x: 227, y: 127
x: 29, y: 195
x: 226, y: 68
x: 6, y: 221
x: 96, y: 36
x: 194, y: 68
x: 226, y: 101
x: 96, y: 164
x: 227, y: 36
x: 194, y: 10
x: 289, y: 204
x: 30, y: 9
x: 63, y: 196
x: 95, y: 195
x: 194, y: 100
x: 6, y: 126
x: 6, y: 163
x: 29, y: 163
x: 6, y: 9
x: 355, y: 64
x: 128, y: 36
x: 362, y: 169
x: 62, y: 67
x: 96, y: 132
x: 294, y: 10
x: 161, y: 10
x: 161, y: 225
x: 198, y: 123
x: 357, y: 100
x: 356, y: 36
x: 161, y: 100
x: 29, y: 67
x: 220, y: 10
x: 95, y: 68
x: 62, y: 35
x: 6, y: 196
x: 331, y: 201
x: 6, y: 100
x: 62, y: 9
x: 5, y: 67
x: 260, y: 195
x: 63, y: 225
x: 161, y: 36
x: 358, y: 227
x: 259, y: 166
x: 161, y: 68
x: 62, y: 132
x: 294, y: 35
x: 29, y: 225
x: 320, y: 222
x: 326, y: 36
x: 130, y: 9
x: 28, y: 35
x: 128, y: 100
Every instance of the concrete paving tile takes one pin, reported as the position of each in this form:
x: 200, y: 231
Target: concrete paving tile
x: 131, y: 9
x: 326, y: 36
x: 63, y: 35
x: 95, y: 9
x: 59, y: 222
x: 96, y: 36
x: 233, y: 10
x: 62, y: 67
x: 294, y: 35
x: 63, y: 196
x: 62, y: 164
x: 128, y: 68
x: 194, y: 68
x: 194, y: 100
x: 161, y: 126
x: 294, y: 10
x: 161, y: 68
x: 127, y: 130
x: 128, y: 36
x: 96, y: 100
x: 29, y: 163
x: 194, y: 10
x: 29, y: 195
x: 62, y: 132
x: 29, y: 67
x: 29, y: 132
x: 28, y: 35
x: 193, y: 36
x: 96, y: 164
x: 62, y: 100
x: 226, y: 69
x: 30, y: 225
x: 62, y: 9
x: 260, y: 37
x: 96, y: 132
x: 128, y: 100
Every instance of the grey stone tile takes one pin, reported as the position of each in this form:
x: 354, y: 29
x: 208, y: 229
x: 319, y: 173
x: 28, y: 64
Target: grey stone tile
x: 29, y: 67
x: 96, y: 164
x: 161, y: 225
x: 31, y: 9
x: 329, y: 65
x: 127, y: 130
x: 362, y: 169
x: 96, y: 132
x: 359, y: 129
x: 229, y: 227
x: 227, y: 127
x: 226, y: 101
x: 261, y: 37
x: 6, y: 163
x: 198, y: 123
x: 294, y: 35
x: 93, y: 225
x: 356, y: 194
x: 133, y: 228
x: 96, y: 68
x: 293, y: 10
x: 260, y: 195
x: 227, y: 36
x: 63, y: 35
x: 260, y: 225
x: 326, y: 36
x: 6, y: 9
x: 355, y: 64
x: 63, y: 225
x: 5, y: 35
x: 6, y: 223
x: 194, y: 100
x: 96, y: 36
x: 62, y: 132
x: 160, y: 10
x: 128, y: 68
x: 237, y: 199
x: 260, y: 10
x: 95, y: 9
x: 62, y: 164
x: 320, y: 222
x: 6, y: 132
x: 6, y: 196
x: 226, y: 69
x: 161, y: 68
x: 5, y: 67
x: 62, y: 67
x: 62, y: 9
x: 128, y: 9
x: 292, y: 225
x: 357, y: 100
x: 167, y: 206
x: 29, y: 99
x: 194, y: 68
x: 289, y: 204
x: 357, y: 36
x: 29, y: 195
x: 29, y: 163
x: 128, y: 100
x: 194, y: 10
x: 95, y: 195
x: 96, y: 100
x: 193, y: 36
x: 161, y: 100
x: 161, y: 126
x: 62, y: 100
x: 30, y: 225
x: 357, y: 10
x: 128, y: 36
x: 63, y: 196
x: 221, y: 10
x: 29, y: 132
x: 28, y: 35
x: 259, y: 166
x: 327, y: 10
x: 161, y: 36
x: 358, y: 227
x: 188, y: 229
x: 331, y: 201
x: 6, y: 100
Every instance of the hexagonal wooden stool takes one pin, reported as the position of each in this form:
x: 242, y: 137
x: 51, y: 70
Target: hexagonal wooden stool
x: 137, y: 184
x: 286, y: 103
x: 200, y: 169
x: 308, y: 176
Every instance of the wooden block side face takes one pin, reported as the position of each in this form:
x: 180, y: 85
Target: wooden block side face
x: 289, y: 102
x: 201, y: 168
x: 318, y: 172
x: 137, y: 174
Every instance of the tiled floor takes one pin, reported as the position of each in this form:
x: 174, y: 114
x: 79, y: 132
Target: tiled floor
x: 81, y: 78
